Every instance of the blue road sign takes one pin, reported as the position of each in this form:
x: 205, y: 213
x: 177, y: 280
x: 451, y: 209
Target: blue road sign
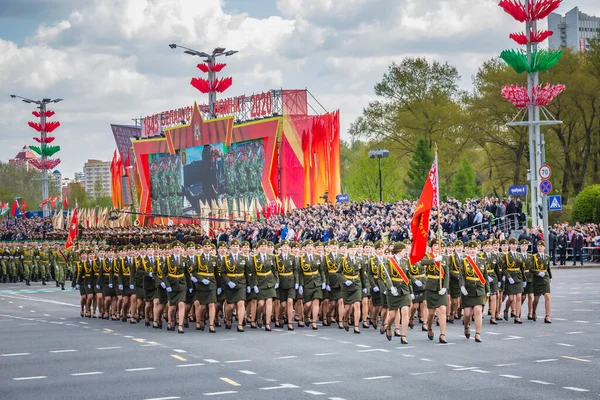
x: 520, y: 190
x: 342, y: 198
x: 545, y: 186
x: 554, y: 203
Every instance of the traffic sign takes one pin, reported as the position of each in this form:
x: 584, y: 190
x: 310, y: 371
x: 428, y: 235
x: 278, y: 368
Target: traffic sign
x: 554, y: 203
x: 545, y: 186
x: 342, y: 198
x: 520, y: 190
x: 545, y: 171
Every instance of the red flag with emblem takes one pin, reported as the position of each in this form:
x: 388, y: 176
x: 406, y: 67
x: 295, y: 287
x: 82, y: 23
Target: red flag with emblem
x: 73, y: 228
x: 420, y: 221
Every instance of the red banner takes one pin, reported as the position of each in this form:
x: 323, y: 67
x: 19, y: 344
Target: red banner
x: 420, y: 222
x: 72, y: 229
x: 399, y: 269
x: 476, y: 269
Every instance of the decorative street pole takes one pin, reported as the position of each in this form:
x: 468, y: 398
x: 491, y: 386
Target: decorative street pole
x: 45, y: 150
x: 379, y: 154
x: 212, y: 85
x: 534, y: 97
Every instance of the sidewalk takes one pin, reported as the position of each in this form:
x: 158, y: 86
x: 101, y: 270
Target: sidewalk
x: 571, y: 266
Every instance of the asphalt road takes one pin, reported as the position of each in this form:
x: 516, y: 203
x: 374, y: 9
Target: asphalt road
x: 48, y: 352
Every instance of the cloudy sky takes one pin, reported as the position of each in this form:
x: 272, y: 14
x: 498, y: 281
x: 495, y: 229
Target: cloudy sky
x: 110, y: 61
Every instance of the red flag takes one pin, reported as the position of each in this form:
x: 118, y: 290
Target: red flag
x: 65, y: 203
x: 24, y: 206
x: 420, y: 222
x: 73, y: 228
x: 15, y: 209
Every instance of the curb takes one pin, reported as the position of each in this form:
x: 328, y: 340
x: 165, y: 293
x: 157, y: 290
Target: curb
x: 577, y: 266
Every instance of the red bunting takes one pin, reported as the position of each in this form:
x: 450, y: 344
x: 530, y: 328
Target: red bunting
x: 537, y: 10
x: 48, y: 164
x: 48, y: 128
x: 542, y: 95
x: 48, y: 139
x: 535, y: 37
x: 204, y: 67
x: 47, y: 114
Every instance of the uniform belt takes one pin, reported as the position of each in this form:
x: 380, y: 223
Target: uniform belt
x: 264, y: 273
x: 419, y: 276
x: 397, y: 279
x: 86, y: 275
x: 471, y: 278
x: 105, y: 274
x: 513, y: 269
x: 433, y: 276
x: 175, y: 276
x: 205, y: 274
x: 286, y: 273
x: 310, y: 273
x: 235, y: 275
x: 491, y: 271
x: 351, y: 276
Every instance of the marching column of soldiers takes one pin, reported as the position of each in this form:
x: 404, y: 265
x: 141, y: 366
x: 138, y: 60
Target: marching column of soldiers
x: 294, y: 284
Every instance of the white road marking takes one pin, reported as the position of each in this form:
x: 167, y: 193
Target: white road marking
x: 574, y: 333
x: 128, y: 337
x: 32, y: 311
x: 282, y: 386
x: 326, y: 383
x: 324, y: 338
x: 576, y: 389
x: 27, y: 378
x: 481, y: 371
x: 139, y: 369
x: 511, y: 376
x: 454, y: 366
x: 444, y: 344
x: 15, y: 354
x: 565, y: 344
x: 63, y: 351
x: 87, y: 373
x: 211, y: 361
x: 548, y: 360
x: 505, y: 365
x: 541, y: 382
x: 178, y: 350
x: 343, y: 342
x: 363, y: 346
x: 219, y: 393
x: 189, y: 365
x: 425, y: 359
x: 493, y: 333
x: 512, y: 337
x: 465, y: 368
x: 309, y: 335
x: 582, y: 310
x: 422, y: 373
x: 165, y: 398
x: 324, y: 354
x: 20, y: 306
x: 407, y: 355
x: 371, y: 350
x: 405, y: 347
x: 246, y: 372
x: 108, y: 348
x: 583, y: 322
x: 236, y: 361
x: 560, y: 319
x: 313, y: 392
x: 377, y: 377
x: 336, y: 398
x: 285, y: 357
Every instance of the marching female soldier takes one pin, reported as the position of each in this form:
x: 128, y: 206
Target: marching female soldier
x: 148, y: 284
x: 474, y: 287
x: 455, y: 260
x: 267, y: 281
x: 205, y: 277
x: 437, y: 301
x: 79, y: 283
x: 174, y: 281
x: 399, y: 290
x: 105, y: 266
x: 363, y: 259
x: 239, y: 280
x: 491, y: 266
x: 161, y: 299
x: 527, y: 278
x: 353, y: 280
x: 288, y: 282
x: 312, y: 282
x: 542, y: 276
x: 513, y: 274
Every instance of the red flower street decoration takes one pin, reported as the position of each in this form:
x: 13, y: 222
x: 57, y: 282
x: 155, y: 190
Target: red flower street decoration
x: 542, y: 95
x: 201, y: 84
x: 48, y: 164
x: 38, y: 114
x: 534, y: 37
x: 211, y: 67
x: 219, y: 85
x: 50, y: 126
x: 49, y: 139
x: 222, y: 84
x: 537, y: 10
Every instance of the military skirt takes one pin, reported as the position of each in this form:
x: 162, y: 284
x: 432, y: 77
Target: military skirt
x: 126, y: 290
x: 264, y: 294
x: 161, y: 295
x: 540, y: 287
x: 139, y: 285
x: 250, y: 296
x: 529, y: 288
x: 285, y: 294
x: 205, y: 297
x: 454, y: 288
x: 352, y: 294
x: 234, y: 295
x: 376, y: 298
x: 189, y: 297
x: 397, y: 302
x: 149, y: 289
x: 514, y: 288
x: 311, y: 294
x: 108, y: 291
x: 434, y: 299
x: 472, y: 301
x: 335, y: 294
x: 419, y: 296
x: 221, y: 297
x: 176, y: 297
x: 493, y: 284
x: 383, y: 289
x: 82, y: 289
x: 90, y: 290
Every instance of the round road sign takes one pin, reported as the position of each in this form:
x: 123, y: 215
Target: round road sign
x: 545, y: 172
x: 545, y: 186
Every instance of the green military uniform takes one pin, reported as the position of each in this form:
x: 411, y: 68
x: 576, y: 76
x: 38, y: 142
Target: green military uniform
x: 27, y: 264
x: 400, y: 280
x: 106, y: 267
x: 206, y: 272
x: 333, y: 263
x: 526, y: 260
x: 125, y: 269
x: 473, y: 278
x: 19, y: 263
x: 311, y: 277
x: 493, y: 273
x: 419, y: 276
x: 377, y: 296
x: 79, y: 278
x: 288, y: 276
x: 175, y: 276
x: 236, y: 269
x: 267, y: 276
x: 3, y: 262
x: 351, y: 271
x: 513, y: 270
x: 454, y: 263
x: 541, y: 274
x: 436, y: 271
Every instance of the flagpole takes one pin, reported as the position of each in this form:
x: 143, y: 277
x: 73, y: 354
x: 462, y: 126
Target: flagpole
x: 437, y: 195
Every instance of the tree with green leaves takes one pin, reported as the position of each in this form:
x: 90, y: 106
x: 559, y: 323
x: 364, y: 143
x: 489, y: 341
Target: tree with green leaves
x: 463, y: 182
x: 418, y: 169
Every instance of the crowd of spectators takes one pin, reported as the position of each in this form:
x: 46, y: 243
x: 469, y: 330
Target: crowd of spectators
x: 20, y: 229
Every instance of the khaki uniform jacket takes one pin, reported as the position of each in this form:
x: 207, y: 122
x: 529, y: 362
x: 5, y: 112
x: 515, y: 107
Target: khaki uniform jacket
x: 390, y: 276
x: 311, y: 274
x: 287, y: 271
x: 265, y: 271
x: 206, y: 268
x: 241, y: 272
x: 433, y: 269
x: 351, y: 270
x: 470, y: 280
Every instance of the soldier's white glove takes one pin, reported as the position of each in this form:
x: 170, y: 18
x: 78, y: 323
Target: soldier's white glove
x: 248, y: 289
x: 364, y: 290
x: 550, y: 280
x: 443, y: 291
x: 348, y: 283
x: 376, y: 289
x: 276, y: 286
x: 77, y: 287
x: 162, y: 285
x: 194, y: 279
x: 89, y: 286
x: 490, y: 279
x: 300, y: 290
x: 255, y: 289
x: 524, y: 284
x: 438, y: 258
x: 542, y: 274
x: 190, y: 290
x: 488, y: 294
x: 464, y: 290
x: 150, y: 274
x: 499, y: 284
x: 296, y: 286
x: 169, y: 289
x: 97, y: 287
x: 385, y: 292
x: 110, y: 285
x: 503, y: 279
x: 232, y: 285
x: 412, y: 296
x: 131, y: 287
x: 204, y: 281
x: 328, y: 288
x: 56, y: 267
x: 394, y: 291
x: 323, y: 285
x: 418, y: 283
x: 511, y: 281
x: 120, y: 287
x: 219, y: 290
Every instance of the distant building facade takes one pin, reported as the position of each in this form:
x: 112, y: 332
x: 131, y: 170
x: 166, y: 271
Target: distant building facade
x: 22, y: 158
x: 573, y: 30
x: 97, y: 178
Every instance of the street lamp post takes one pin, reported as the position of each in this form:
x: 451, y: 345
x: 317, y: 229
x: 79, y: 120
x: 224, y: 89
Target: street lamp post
x: 379, y: 154
x: 209, y: 59
x: 42, y: 107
